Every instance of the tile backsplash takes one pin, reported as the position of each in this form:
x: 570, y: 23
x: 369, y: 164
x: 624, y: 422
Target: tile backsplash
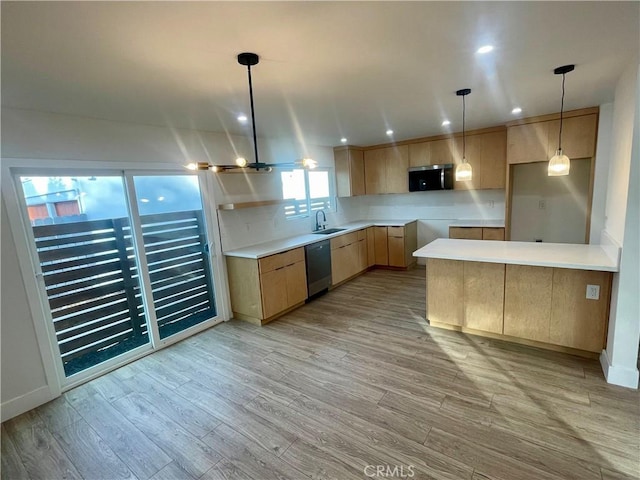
x: 248, y: 226
x: 434, y: 211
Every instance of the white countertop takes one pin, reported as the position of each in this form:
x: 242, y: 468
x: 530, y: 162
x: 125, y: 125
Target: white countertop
x: 560, y: 255
x: 478, y: 223
x: 276, y: 246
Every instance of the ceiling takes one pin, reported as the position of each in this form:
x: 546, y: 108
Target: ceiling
x: 327, y: 70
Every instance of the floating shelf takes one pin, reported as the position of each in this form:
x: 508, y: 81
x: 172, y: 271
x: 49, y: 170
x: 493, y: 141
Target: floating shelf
x: 237, y: 206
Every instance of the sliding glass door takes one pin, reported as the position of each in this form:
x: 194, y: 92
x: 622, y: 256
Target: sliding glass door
x: 176, y: 248
x: 124, y: 261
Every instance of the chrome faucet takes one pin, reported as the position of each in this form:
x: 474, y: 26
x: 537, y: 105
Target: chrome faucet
x: 324, y: 219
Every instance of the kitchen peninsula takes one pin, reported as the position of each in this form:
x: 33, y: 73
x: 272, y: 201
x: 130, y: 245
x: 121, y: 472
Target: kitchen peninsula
x: 550, y: 295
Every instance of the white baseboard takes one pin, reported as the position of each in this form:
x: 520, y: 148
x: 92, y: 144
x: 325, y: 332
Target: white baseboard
x: 26, y: 402
x: 625, y: 377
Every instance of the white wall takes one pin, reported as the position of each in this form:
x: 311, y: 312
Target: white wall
x: 241, y: 228
x: 601, y: 174
x: 620, y: 157
x: 551, y: 209
x: 23, y: 374
x: 620, y: 359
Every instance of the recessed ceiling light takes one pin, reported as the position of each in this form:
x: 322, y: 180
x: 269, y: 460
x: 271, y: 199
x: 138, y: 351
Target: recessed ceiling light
x: 343, y: 140
x: 389, y: 132
x: 242, y: 118
x: 485, y: 49
x: 446, y: 123
x: 516, y: 110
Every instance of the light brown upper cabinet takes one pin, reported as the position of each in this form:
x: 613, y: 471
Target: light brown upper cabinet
x: 435, y: 152
x: 445, y: 150
x: 420, y: 154
x: 486, y: 153
x: 375, y: 171
x: 528, y: 143
x: 386, y: 170
x: 349, y: 163
x: 537, y: 141
x: 493, y: 156
x: 578, y: 136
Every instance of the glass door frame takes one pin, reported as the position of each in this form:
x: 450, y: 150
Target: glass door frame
x: 32, y: 275
x: 211, y: 223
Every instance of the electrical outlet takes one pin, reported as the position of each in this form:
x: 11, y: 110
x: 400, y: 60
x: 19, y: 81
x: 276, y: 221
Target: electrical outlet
x: 491, y: 204
x: 542, y: 204
x: 593, y: 292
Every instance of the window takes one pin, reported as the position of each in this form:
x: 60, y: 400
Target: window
x: 306, y: 191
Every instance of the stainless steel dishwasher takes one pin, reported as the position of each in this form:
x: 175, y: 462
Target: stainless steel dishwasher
x: 318, y: 260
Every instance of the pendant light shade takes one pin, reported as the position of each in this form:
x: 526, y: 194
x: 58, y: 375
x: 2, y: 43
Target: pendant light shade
x: 464, y: 172
x: 560, y: 164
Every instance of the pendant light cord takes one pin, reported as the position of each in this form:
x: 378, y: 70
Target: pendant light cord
x: 253, y: 117
x: 464, y: 143
x: 561, y: 111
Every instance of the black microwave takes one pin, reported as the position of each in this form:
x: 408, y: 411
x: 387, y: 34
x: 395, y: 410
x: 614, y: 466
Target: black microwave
x: 431, y: 177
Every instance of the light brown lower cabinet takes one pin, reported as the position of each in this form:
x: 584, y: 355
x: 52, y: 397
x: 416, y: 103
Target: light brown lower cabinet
x: 445, y: 291
x: 483, y: 296
x: 264, y: 289
x: 348, y: 256
x: 273, y: 292
x: 493, y: 233
x: 527, y: 302
x: 466, y: 233
x: 576, y: 321
x: 543, y: 305
x: 381, y: 247
x: 371, y: 247
x: 477, y: 233
x: 466, y: 294
x: 363, y: 253
x: 394, y: 246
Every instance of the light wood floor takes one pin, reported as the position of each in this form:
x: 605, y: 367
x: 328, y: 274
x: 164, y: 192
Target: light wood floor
x: 355, y: 378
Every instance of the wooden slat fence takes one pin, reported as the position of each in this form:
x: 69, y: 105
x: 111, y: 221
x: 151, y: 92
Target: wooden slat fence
x: 180, y: 273
x: 93, y: 288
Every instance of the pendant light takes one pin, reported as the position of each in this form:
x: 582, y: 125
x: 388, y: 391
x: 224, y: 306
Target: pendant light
x: 249, y: 60
x: 464, y: 173
x: 559, y: 164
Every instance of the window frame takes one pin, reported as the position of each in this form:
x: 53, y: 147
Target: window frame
x: 330, y: 202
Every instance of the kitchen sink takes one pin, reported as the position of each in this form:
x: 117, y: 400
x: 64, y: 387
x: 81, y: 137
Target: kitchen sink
x: 328, y: 231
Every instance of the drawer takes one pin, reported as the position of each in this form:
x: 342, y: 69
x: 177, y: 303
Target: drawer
x: 395, y: 231
x: 279, y: 260
x: 343, y: 240
x: 362, y: 234
x: 469, y: 233
x: 493, y: 233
